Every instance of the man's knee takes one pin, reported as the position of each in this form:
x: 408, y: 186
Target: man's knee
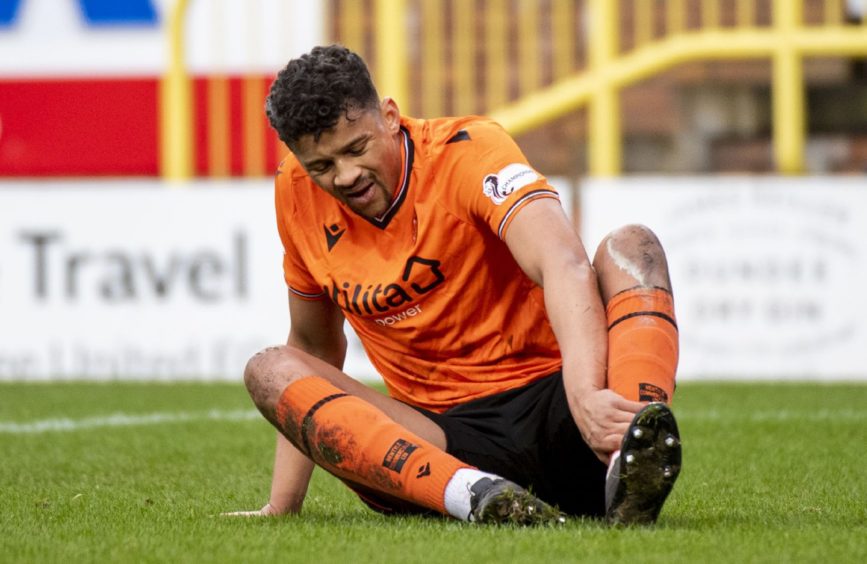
x: 268, y: 373
x: 632, y: 256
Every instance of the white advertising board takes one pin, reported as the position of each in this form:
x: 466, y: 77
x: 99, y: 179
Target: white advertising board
x: 134, y: 280
x: 63, y: 38
x: 768, y: 273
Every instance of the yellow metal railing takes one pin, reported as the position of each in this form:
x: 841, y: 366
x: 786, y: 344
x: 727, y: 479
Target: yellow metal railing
x: 497, y: 47
x: 528, y: 62
x: 786, y: 42
x: 604, y: 112
x: 391, y: 47
x: 176, y: 124
x: 534, y: 71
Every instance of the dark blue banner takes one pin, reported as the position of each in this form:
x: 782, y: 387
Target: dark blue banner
x: 96, y: 13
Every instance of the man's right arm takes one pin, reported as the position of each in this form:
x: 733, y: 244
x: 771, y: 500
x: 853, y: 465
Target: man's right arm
x: 316, y: 327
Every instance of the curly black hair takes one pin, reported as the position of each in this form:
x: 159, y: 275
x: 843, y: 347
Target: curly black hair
x: 311, y: 92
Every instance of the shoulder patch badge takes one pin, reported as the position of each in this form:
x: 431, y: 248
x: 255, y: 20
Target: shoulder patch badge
x: 512, y: 177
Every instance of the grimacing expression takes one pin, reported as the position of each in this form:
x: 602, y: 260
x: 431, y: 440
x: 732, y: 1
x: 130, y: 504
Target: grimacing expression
x: 358, y: 161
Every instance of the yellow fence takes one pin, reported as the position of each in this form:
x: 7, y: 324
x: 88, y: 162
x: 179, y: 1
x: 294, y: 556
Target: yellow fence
x: 528, y: 62
x: 176, y: 104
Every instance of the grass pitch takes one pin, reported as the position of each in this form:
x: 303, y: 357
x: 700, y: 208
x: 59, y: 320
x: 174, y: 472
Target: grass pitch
x: 140, y: 472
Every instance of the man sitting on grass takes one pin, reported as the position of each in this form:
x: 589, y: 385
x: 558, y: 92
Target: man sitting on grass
x: 517, y: 371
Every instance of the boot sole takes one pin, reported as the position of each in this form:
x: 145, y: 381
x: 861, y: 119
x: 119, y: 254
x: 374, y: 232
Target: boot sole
x: 645, y: 473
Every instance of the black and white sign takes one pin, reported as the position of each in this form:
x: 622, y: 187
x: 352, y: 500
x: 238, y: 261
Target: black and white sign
x: 768, y: 273
x: 125, y: 279
x: 137, y: 280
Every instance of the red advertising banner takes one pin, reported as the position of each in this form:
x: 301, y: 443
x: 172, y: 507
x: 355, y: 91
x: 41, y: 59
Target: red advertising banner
x: 78, y: 127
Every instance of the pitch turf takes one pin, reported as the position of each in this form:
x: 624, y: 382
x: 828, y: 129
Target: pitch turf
x: 139, y: 473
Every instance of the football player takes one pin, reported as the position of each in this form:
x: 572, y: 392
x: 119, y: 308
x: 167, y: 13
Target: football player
x: 524, y: 381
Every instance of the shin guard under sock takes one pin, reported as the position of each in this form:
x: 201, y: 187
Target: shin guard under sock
x: 354, y: 440
x: 642, y: 344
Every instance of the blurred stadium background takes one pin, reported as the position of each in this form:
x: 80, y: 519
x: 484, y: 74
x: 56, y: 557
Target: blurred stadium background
x: 137, y: 238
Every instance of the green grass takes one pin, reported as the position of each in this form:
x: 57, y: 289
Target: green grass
x: 772, y: 473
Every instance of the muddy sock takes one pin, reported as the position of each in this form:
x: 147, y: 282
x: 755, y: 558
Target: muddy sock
x: 354, y: 440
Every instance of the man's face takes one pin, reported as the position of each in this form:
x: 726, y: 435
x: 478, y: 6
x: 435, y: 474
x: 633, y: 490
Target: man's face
x: 358, y: 161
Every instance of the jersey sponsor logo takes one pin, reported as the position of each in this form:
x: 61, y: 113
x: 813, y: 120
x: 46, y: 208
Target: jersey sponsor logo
x: 332, y: 235
x: 513, y: 177
x: 399, y: 316
x: 420, y: 276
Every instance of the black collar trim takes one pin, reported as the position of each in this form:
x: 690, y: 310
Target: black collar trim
x: 383, y: 220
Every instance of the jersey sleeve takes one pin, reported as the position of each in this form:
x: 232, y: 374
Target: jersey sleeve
x: 492, y: 177
x: 295, y: 272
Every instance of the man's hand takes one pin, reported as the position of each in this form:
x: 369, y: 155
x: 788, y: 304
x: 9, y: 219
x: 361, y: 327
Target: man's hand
x: 288, y: 483
x: 603, y: 416
x: 267, y: 510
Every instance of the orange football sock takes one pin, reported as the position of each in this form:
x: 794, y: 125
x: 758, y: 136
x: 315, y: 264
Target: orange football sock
x: 642, y: 344
x: 355, y: 441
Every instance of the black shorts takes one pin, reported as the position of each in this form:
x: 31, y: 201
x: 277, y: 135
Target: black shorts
x: 526, y: 435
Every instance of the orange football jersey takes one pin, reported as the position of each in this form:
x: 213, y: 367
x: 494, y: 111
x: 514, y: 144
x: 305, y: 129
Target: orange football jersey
x: 444, y: 312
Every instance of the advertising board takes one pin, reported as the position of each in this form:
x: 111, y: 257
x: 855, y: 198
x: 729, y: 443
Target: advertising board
x: 133, y: 280
x: 111, y: 279
x: 767, y: 272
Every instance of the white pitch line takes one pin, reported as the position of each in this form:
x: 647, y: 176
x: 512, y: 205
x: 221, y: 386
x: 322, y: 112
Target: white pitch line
x: 62, y: 425
x: 124, y: 420
x: 781, y: 415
